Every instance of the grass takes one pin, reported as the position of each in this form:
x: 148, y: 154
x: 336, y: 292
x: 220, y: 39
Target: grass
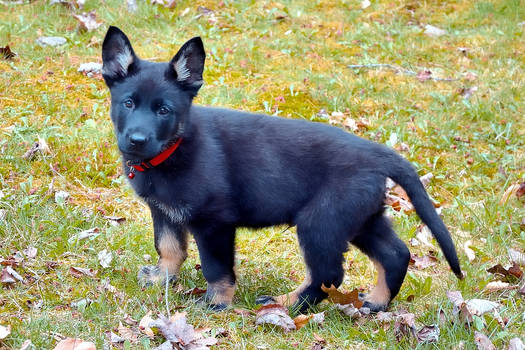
x: 287, y: 58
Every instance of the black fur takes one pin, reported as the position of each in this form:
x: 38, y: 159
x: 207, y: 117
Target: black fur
x: 237, y: 169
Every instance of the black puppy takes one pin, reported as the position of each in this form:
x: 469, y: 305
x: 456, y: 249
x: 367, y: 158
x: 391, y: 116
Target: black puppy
x: 209, y: 171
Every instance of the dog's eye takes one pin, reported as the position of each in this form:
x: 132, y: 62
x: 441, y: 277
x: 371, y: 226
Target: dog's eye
x: 128, y: 103
x: 163, y: 110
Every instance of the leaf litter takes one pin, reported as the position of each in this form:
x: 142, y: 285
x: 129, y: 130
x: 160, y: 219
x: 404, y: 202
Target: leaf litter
x: 275, y: 314
x: 177, y: 332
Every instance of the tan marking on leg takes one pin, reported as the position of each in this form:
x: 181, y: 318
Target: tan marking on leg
x: 221, y: 292
x: 380, y: 294
x: 173, y: 252
x: 291, y: 298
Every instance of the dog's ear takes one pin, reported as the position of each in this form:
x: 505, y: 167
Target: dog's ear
x: 118, y: 56
x: 188, y: 65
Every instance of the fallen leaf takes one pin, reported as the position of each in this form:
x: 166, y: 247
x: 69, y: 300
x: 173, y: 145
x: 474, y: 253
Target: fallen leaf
x: 424, y: 75
x: 243, y: 312
x: 127, y: 333
x: 425, y: 179
x: 430, y: 30
x: 9, y: 275
x: 424, y: 235
x: 338, y: 297
x: 383, y: 316
x: 39, y: 146
x: 423, y: 262
x: 61, y: 197
x: 74, y: 344
x: 468, y: 92
x: 51, y: 41
x: 5, y: 331
x: 91, y: 69
x: 498, y: 286
x: 87, y: 21
x: 92, y: 232
x: 104, y: 258
x: 177, y: 330
x: 513, y: 271
x: 144, y: 325
x: 6, y: 52
x: 405, y: 325
x: 516, y: 344
x: 79, y: 272
x: 30, y: 252
x: 132, y: 5
x: 521, y: 190
x: 365, y: 4
x: 195, y: 291
x: 428, y: 334
x: 26, y: 345
x: 516, y: 256
x: 301, y: 320
x: 114, y: 338
x: 512, y: 189
x: 483, y: 342
x: 471, y: 255
x: 349, y: 310
x: 274, y: 314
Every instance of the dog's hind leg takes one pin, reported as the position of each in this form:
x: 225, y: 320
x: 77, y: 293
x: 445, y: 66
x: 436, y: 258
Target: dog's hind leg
x: 216, y: 245
x: 390, y: 256
x: 171, y: 245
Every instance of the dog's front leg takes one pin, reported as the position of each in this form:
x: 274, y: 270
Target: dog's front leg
x: 171, y: 244
x: 216, y: 245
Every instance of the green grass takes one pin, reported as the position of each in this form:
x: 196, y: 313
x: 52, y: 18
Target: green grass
x: 254, y: 60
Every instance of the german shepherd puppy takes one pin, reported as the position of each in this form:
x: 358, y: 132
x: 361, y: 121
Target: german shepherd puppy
x: 210, y: 170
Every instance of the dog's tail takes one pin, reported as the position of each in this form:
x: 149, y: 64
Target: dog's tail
x: 405, y: 175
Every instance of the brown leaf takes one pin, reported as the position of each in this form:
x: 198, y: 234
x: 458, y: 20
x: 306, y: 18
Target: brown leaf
x: 39, y: 146
x: 301, y: 320
x: 195, y: 291
x: 6, y: 52
x: 126, y: 333
x: 514, y: 271
x: 428, y: 334
x: 243, y: 312
x: 483, y: 342
x: 275, y: 314
x: 87, y: 21
x: 338, y: 297
x: 405, y: 325
x: 144, y: 325
x: 177, y: 330
x: 423, y: 262
x: 349, y: 310
x: 497, y: 286
x: 74, y: 344
x: 521, y: 190
x: 80, y: 272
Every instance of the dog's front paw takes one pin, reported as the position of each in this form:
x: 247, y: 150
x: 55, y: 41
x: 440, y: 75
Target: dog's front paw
x: 374, y: 308
x: 149, y: 275
x: 265, y: 300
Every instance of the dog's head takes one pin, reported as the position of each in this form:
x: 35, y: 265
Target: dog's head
x: 149, y: 101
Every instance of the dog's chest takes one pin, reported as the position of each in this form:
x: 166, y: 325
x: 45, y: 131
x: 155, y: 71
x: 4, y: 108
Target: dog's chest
x: 177, y: 213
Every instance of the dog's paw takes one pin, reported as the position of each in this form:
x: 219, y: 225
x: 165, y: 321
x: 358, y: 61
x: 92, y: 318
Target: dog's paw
x: 150, y: 275
x: 218, y: 307
x: 265, y: 300
x: 374, y: 308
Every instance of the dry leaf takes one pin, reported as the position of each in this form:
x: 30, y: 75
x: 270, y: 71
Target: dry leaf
x: 195, y: 291
x: 275, y: 314
x: 483, y: 342
x: 365, y: 4
x: 424, y: 235
x: 104, y: 258
x: 92, y: 232
x: 87, y: 21
x: 6, y: 52
x: 115, y: 220
x: 177, y: 330
x: 516, y: 256
x: 132, y: 5
x: 114, y: 338
x: 51, y: 41
x: 9, y: 275
x: 423, y: 262
x: 79, y: 272
x: 424, y: 75
x: 301, y: 320
x: 425, y: 179
x: 514, y: 271
x: 498, y: 286
x: 405, y: 325
x: 468, y: 92
x: 508, y: 193
x: 468, y: 251
x: 516, y: 344
x: 127, y: 333
x: 39, y: 146
x: 349, y: 310
x: 243, y: 312
x: 26, y: 345
x: 430, y: 30
x: 428, y: 334
x: 144, y: 325
x: 74, y: 344
x: 30, y: 252
x: 337, y: 297
x: 90, y: 69
x: 4, y: 331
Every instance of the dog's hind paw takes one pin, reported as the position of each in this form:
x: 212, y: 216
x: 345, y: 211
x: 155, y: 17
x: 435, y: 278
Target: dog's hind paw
x: 374, y: 308
x: 149, y: 275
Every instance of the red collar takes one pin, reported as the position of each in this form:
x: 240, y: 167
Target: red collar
x: 153, y: 162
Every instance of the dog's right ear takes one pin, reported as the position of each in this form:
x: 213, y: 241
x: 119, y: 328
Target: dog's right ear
x: 118, y: 56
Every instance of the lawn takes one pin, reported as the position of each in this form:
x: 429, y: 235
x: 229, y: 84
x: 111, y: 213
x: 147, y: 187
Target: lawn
x: 451, y: 103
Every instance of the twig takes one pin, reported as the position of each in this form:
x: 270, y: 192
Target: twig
x: 397, y: 69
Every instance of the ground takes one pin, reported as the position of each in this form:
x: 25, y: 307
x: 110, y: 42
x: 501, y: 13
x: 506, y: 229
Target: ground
x: 289, y: 59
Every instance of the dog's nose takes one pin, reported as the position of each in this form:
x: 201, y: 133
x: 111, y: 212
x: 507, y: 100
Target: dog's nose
x: 137, y: 139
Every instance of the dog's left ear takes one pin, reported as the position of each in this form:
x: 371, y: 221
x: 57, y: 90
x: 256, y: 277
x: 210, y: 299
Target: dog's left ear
x: 188, y: 65
x: 118, y: 56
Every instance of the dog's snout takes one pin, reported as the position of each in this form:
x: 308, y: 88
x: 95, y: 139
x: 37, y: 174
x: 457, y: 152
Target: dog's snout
x: 137, y: 139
